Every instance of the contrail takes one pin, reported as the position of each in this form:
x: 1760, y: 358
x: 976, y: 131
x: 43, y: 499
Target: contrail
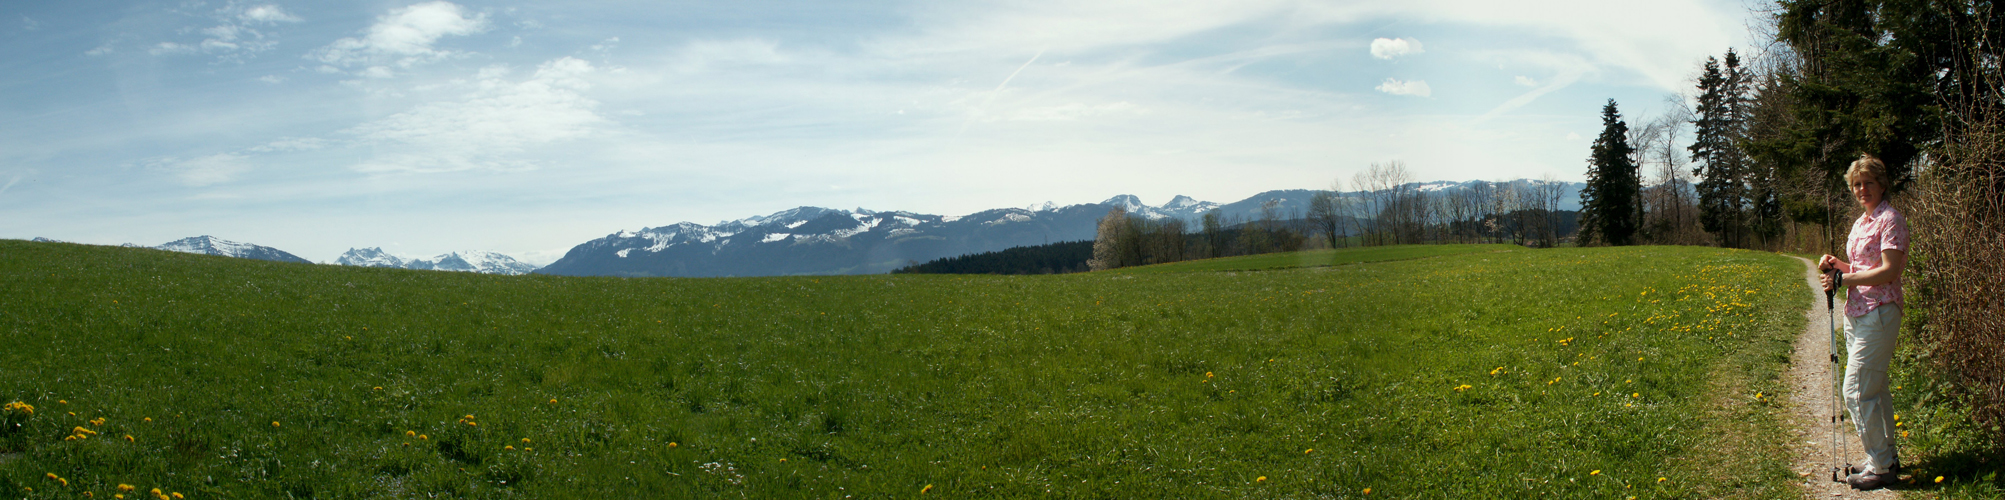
x: 998, y: 90
x: 17, y: 180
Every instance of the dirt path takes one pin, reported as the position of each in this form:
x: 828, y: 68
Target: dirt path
x: 1810, y: 402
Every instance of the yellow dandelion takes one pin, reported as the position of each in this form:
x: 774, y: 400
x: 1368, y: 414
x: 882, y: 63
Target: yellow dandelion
x: 124, y: 487
x: 149, y: 419
x: 553, y: 401
x: 411, y: 433
x: 1207, y: 374
x: 377, y: 388
x: 923, y: 491
x: 1596, y: 472
x: 1307, y: 451
x: 671, y: 444
x: 1937, y: 479
x: 1662, y: 479
x: 1635, y: 394
x: 1366, y: 491
x: 274, y: 423
x: 422, y: 437
x: 509, y: 447
x: 128, y: 438
x: 177, y: 496
x: 1904, y: 433
x: 1259, y: 479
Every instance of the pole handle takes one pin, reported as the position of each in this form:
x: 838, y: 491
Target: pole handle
x: 1830, y: 296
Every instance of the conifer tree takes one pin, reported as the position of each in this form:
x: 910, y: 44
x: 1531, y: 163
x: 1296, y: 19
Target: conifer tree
x: 1722, y: 171
x: 1611, y: 203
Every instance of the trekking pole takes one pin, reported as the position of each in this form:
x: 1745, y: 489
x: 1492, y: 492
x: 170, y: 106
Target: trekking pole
x: 1838, y: 444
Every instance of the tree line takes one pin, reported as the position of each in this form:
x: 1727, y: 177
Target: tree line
x: 1052, y: 258
x: 1388, y: 208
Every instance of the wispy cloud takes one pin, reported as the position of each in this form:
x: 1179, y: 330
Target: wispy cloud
x: 1566, y: 71
x: 404, y: 37
x: 206, y: 170
x: 242, y: 32
x: 488, y: 128
x: 11, y: 182
x: 1395, y: 86
x: 30, y: 24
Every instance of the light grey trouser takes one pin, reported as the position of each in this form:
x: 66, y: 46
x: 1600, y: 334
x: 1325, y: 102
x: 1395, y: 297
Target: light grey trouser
x: 1869, y: 339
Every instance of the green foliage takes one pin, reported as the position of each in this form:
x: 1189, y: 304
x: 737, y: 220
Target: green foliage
x: 1548, y: 373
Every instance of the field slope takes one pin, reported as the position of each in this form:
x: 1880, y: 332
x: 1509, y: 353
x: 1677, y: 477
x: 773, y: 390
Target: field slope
x: 1529, y: 373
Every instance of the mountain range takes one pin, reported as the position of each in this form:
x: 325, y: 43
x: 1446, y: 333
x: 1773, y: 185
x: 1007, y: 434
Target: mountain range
x: 465, y: 261
x: 815, y: 240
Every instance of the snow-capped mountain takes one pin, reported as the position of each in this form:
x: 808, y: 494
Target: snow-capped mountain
x: 815, y: 240
x: 210, y: 245
x: 474, y: 261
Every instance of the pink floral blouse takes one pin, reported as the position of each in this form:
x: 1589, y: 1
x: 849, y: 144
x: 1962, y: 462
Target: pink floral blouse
x: 1881, y: 230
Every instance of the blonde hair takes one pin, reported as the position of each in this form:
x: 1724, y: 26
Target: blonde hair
x: 1868, y: 165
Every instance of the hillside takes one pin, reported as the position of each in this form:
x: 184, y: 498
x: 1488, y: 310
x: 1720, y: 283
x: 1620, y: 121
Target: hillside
x: 1567, y: 372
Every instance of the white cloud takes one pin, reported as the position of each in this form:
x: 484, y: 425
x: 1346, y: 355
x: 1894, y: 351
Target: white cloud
x: 376, y: 72
x: 1527, y: 81
x: 100, y: 50
x: 271, y: 79
x: 404, y: 36
x: 1413, y: 88
x: 30, y: 24
x: 1389, y: 48
x: 267, y: 14
x: 489, y: 128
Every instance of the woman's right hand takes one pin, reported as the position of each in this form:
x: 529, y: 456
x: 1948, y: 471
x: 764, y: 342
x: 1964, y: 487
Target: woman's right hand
x: 1827, y: 263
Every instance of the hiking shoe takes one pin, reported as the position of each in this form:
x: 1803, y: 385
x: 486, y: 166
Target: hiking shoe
x: 1869, y: 481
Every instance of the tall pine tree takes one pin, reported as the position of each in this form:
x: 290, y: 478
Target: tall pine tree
x: 1611, y: 203
x: 1719, y: 123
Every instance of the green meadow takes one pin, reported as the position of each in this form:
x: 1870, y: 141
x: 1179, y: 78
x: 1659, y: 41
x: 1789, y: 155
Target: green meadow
x: 1433, y: 371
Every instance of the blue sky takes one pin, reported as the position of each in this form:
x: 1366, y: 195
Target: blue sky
x: 527, y: 128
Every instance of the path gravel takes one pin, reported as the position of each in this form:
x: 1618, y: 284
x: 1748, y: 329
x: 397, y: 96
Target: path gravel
x: 1811, y: 402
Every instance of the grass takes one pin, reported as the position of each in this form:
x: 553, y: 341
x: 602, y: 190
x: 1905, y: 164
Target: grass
x: 1534, y: 373
x: 1319, y: 258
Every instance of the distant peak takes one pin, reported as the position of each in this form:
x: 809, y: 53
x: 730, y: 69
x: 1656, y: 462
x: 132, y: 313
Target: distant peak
x: 1181, y: 201
x: 1124, y: 201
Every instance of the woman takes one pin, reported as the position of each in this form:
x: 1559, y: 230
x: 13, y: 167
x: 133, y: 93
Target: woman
x: 1877, y: 249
